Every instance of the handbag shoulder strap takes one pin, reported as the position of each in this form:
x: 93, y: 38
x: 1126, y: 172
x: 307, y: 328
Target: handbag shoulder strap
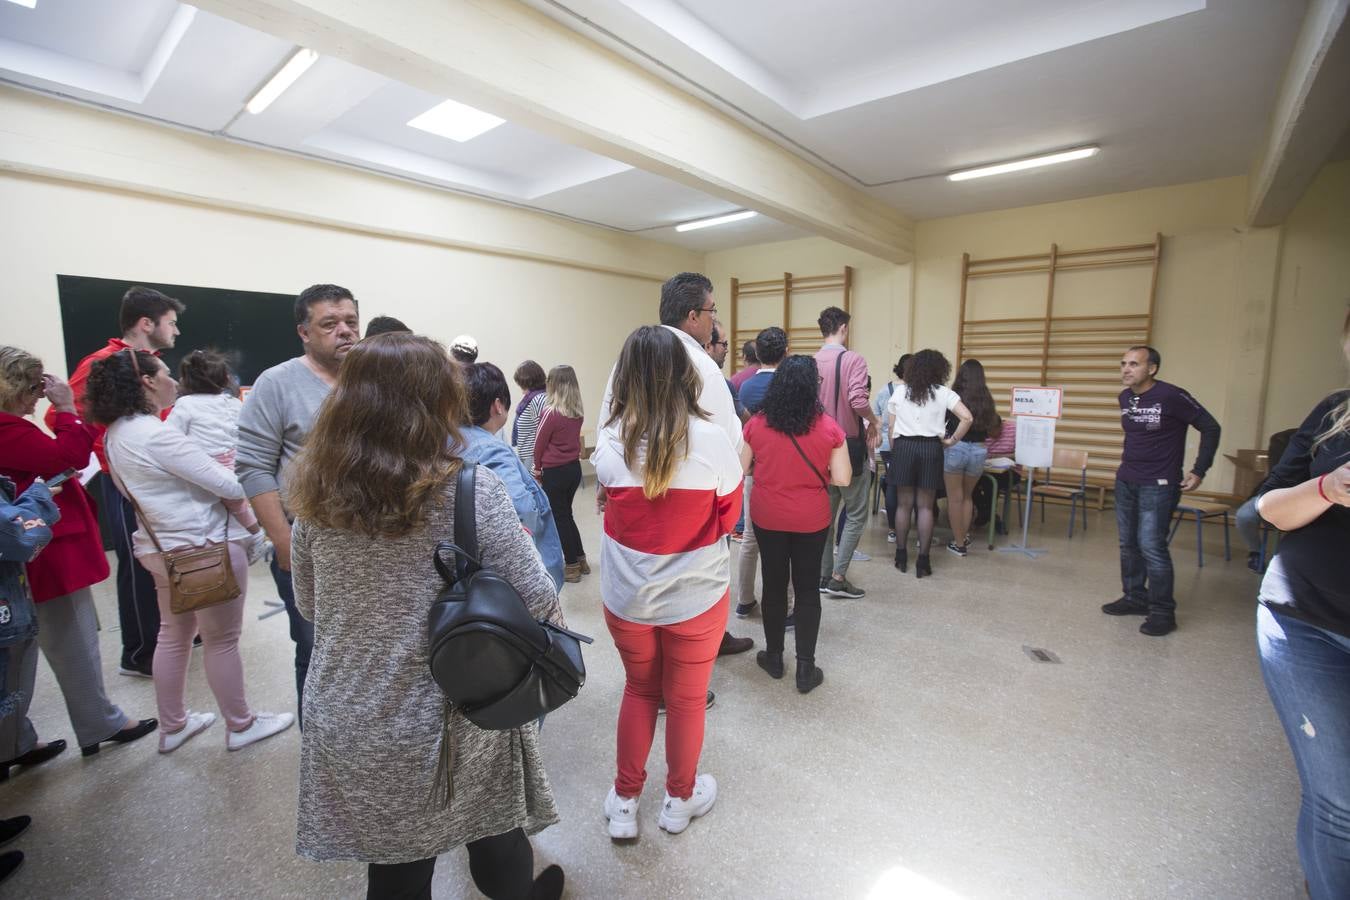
x: 812, y: 466
x: 144, y: 520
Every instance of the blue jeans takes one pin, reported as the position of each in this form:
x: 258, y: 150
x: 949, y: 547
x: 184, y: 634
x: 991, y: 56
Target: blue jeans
x: 302, y: 632
x: 1307, y: 672
x: 1143, y: 514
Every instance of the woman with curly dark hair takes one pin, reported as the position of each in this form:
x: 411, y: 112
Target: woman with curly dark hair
x: 963, y: 461
x: 916, y: 420
x: 178, y: 491
x: 797, y: 452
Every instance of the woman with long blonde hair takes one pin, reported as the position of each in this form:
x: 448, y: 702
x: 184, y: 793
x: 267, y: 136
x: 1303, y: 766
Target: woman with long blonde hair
x: 557, y: 463
x: 1303, y: 629
x: 672, y: 493
x: 373, y: 492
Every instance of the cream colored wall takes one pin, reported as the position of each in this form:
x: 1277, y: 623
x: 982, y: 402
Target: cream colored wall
x: 880, y: 298
x: 517, y: 308
x: 1220, y: 285
x: 1313, y: 295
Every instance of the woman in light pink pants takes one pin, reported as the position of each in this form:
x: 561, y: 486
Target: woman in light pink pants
x: 178, y: 491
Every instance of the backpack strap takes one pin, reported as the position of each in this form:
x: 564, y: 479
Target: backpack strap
x: 464, y: 550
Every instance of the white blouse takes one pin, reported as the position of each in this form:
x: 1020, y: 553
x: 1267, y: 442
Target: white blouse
x: 912, y: 420
x: 178, y: 486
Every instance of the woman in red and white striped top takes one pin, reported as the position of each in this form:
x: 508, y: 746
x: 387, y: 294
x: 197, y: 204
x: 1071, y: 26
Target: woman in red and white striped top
x: 672, y: 483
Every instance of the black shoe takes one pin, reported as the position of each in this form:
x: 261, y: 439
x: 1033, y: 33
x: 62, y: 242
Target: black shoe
x: 33, y: 757
x: 790, y: 622
x: 12, y: 828
x: 770, y: 662
x: 824, y: 583
x: 548, y: 884
x: 922, y: 567
x: 743, y: 610
x: 708, y: 704
x: 1158, y: 625
x: 125, y: 736
x: 733, y: 645
x: 902, y: 559
x: 809, y: 676
x: 1254, y: 562
x: 842, y: 587
x: 9, y: 862
x: 1125, y: 607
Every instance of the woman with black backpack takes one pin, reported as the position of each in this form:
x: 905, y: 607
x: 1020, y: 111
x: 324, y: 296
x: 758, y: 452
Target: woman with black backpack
x: 373, y: 493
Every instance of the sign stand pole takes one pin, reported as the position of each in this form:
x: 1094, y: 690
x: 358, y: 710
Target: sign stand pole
x: 1029, y: 552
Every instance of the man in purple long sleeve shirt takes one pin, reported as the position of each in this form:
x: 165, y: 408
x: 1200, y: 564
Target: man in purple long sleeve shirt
x: 845, y: 395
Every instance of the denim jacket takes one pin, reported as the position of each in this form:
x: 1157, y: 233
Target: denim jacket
x: 25, y: 528
x: 485, y: 448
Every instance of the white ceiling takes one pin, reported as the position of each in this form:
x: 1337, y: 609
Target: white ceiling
x: 887, y: 95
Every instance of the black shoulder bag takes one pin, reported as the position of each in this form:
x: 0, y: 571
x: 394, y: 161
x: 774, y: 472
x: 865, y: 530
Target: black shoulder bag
x: 491, y: 658
x: 857, y: 446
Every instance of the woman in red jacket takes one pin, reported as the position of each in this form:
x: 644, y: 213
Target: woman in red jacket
x: 62, y: 575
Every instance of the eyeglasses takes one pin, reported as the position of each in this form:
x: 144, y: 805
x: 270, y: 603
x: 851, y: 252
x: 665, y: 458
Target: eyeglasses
x: 708, y: 309
x: 37, y: 389
x: 719, y: 344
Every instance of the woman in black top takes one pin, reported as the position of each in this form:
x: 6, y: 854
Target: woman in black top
x: 963, y: 462
x: 1303, y: 631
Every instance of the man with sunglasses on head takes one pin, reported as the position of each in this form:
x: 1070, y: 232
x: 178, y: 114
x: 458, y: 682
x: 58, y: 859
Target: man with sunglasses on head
x: 1149, y: 483
x: 149, y: 322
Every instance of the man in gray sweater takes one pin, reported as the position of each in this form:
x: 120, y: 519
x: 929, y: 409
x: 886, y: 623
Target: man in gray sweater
x: 278, y: 413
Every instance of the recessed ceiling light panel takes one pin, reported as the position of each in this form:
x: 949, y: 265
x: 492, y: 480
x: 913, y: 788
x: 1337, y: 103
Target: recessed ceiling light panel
x: 456, y: 121
x: 716, y: 220
x: 1030, y: 162
x: 286, y: 76
x: 31, y: 4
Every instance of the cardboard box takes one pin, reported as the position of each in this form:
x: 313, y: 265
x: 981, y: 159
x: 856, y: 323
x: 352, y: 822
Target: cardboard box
x: 1250, y: 468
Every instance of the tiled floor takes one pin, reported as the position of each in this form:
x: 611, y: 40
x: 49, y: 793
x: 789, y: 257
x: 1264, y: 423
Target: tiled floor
x: 937, y: 761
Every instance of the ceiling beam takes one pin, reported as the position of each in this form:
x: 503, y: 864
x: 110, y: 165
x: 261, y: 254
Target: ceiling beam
x: 1312, y: 113
x: 508, y: 59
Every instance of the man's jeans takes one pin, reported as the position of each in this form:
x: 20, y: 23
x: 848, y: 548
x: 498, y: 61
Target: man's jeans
x: 854, y: 500
x: 1143, y: 515
x: 302, y: 632
x: 1307, y: 672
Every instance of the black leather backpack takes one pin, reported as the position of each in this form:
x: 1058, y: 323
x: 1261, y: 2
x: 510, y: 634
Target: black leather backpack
x: 492, y: 660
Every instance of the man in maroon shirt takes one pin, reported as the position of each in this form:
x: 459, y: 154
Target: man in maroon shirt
x: 149, y: 322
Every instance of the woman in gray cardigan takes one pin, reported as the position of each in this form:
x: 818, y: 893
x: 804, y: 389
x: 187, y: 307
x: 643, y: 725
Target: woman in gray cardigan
x: 373, y: 491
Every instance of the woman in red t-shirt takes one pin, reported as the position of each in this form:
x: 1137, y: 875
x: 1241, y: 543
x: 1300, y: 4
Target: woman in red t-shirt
x: 796, y: 451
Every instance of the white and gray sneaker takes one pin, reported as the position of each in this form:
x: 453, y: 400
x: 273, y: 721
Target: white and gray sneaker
x: 622, y: 815
x: 676, y: 814
x: 196, y: 724
x: 258, y: 547
x: 264, y: 726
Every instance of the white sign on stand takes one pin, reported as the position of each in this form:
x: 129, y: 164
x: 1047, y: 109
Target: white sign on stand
x: 1037, y: 401
x: 1035, y: 442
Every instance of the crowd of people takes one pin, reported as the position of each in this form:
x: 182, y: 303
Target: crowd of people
x: 340, y: 468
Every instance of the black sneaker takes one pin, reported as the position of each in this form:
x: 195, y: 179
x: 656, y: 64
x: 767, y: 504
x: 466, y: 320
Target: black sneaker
x: 712, y: 698
x: 743, y: 610
x: 790, y: 622
x: 732, y: 645
x: 824, y: 583
x: 1125, y: 607
x: 1158, y: 625
x: 842, y: 587
x: 958, y: 549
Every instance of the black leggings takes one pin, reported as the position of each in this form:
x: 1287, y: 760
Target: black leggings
x: 502, y: 867
x: 795, y: 554
x: 561, y: 483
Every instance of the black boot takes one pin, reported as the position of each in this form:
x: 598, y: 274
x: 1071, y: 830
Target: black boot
x: 902, y: 559
x: 921, y: 566
x: 809, y: 675
x: 770, y: 662
x: 548, y: 884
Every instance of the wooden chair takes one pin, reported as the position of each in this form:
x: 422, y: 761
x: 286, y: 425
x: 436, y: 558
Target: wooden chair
x: 1074, y: 493
x: 1202, y: 510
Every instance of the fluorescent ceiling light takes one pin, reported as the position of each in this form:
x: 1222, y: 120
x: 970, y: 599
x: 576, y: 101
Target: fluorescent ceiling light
x: 1028, y: 163
x: 300, y: 61
x: 456, y: 121
x: 716, y: 220
x: 31, y: 4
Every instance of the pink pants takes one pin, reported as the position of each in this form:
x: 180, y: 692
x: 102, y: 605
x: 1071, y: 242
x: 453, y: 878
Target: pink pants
x: 220, y: 626
x: 240, y: 509
x: 674, y: 662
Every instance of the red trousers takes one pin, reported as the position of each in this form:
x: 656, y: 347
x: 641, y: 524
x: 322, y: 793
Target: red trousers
x: 673, y: 662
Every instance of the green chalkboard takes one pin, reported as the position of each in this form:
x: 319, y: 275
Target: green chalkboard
x: 255, y: 331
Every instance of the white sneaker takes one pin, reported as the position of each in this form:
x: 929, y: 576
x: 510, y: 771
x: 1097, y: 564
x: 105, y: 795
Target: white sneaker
x: 676, y: 813
x: 859, y: 556
x: 258, y: 547
x: 264, y: 726
x: 622, y: 815
x: 196, y: 724
x: 890, y: 537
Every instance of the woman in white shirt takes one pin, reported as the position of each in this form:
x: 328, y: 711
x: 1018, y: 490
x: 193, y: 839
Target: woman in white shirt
x: 179, y: 490
x: 916, y: 419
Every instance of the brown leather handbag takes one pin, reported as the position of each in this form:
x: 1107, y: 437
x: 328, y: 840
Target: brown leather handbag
x: 198, y: 576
